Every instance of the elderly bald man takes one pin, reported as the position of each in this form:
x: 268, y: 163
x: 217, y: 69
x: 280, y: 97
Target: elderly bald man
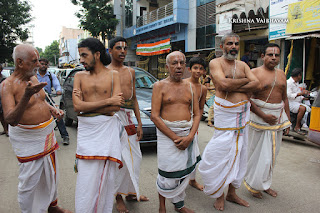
x: 31, y: 128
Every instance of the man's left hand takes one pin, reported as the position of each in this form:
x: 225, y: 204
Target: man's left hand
x: 183, y: 142
x: 57, y: 113
x: 139, y: 132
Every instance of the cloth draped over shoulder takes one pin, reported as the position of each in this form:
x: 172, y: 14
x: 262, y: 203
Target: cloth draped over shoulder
x: 224, y: 159
x: 99, y: 138
x: 127, y: 181
x: 175, y: 165
x: 31, y: 142
x: 264, y: 145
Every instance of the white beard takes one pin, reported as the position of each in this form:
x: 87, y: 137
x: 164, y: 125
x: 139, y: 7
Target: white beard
x: 230, y: 57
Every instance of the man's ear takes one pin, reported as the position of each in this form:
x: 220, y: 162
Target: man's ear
x: 97, y: 55
x: 19, y: 62
x: 262, y: 55
x: 189, y: 69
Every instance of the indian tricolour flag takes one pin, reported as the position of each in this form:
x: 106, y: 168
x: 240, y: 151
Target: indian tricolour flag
x: 156, y: 48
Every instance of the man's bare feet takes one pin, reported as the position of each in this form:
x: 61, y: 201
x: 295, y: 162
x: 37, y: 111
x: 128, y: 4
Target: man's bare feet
x: 134, y: 198
x: 196, y: 185
x: 257, y: 195
x: 184, y: 210
x: 271, y: 192
x: 219, y: 204
x: 120, y: 205
x: 235, y: 199
x: 57, y: 209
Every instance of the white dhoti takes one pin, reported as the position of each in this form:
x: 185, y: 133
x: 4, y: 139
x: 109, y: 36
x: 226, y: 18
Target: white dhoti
x: 127, y: 181
x: 98, y: 153
x: 264, y: 145
x: 34, y: 146
x: 224, y: 159
x: 175, y: 165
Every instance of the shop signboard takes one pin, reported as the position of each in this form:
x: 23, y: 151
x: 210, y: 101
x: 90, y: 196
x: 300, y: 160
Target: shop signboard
x: 225, y: 25
x: 278, y: 15
x: 303, y: 17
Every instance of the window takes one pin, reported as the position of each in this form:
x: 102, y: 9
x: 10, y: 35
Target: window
x: 206, y: 24
x: 128, y: 13
x: 202, y: 2
x: 206, y: 37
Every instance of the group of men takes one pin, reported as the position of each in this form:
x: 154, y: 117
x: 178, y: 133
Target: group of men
x: 108, y: 155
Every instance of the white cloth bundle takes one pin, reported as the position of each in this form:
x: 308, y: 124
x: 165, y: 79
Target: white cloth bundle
x: 264, y: 145
x: 224, y: 159
x: 99, y: 138
x: 31, y: 142
x: 127, y: 181
x: 175, y: 165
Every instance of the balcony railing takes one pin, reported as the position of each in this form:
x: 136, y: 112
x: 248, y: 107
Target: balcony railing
x: 155, y: 15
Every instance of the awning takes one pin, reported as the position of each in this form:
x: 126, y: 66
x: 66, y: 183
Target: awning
x: 313, y: 35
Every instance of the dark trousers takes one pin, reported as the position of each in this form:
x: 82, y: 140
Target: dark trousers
x: 62, y: 128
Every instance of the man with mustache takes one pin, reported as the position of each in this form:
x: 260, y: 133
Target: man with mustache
x: 175, y: 112
x: 127, y: 181
x: 269, y: 117
x: 224, y: 160
x: 31, y: 128
x: 96, y: 97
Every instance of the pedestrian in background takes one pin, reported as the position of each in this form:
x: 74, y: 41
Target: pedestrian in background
x: 52, y: 81
x: 210, y: 98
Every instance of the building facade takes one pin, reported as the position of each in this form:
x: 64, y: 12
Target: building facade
x: 68, y: 46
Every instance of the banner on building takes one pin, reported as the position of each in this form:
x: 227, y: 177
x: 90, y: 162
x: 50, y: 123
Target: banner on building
x: 278, y: 10
x: 303, y: 17
x: 156, y: 48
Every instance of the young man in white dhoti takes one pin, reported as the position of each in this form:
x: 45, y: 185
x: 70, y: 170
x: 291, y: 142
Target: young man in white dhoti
x: 127, y: 182
x: 197, y: 67
x: 175, y: 112
x: 31, y: 133
x: 224, y: 160
x: 269, y: 117
x: 96, y: 97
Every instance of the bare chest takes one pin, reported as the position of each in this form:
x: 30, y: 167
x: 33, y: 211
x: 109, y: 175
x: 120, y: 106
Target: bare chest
x: 96, y: 86
x: 233, y: 71
x: 177, y: 95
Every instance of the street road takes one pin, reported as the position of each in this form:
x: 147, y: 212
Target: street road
x: 296, y: 178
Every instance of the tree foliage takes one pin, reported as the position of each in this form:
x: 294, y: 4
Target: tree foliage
x: 51, y: 52
x: 97, y: 17
x: 14, y: 15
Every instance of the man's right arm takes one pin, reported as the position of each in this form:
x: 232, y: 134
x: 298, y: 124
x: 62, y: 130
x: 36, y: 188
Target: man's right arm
x: 12, y: 112
x: 155, y: 112
x: 83, y: 106
x: 221, y: 82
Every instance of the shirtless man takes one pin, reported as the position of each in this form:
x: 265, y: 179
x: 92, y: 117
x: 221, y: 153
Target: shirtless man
x: 269, y: 117
x: 31, y: 133
x: 173, y: 102
x: 124, y: 184
x: 197, y: 69
x: 224, y: 159
x: 96, y: 97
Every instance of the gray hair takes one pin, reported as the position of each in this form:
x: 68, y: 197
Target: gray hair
x: 228, y: 35
x: 169, y: 55
x: 21, y: 51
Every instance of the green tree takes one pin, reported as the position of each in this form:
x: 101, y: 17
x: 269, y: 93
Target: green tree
x: 39, y: 50
x: 14, y: 15
x: 51, y: 53
x: 97, y: 17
